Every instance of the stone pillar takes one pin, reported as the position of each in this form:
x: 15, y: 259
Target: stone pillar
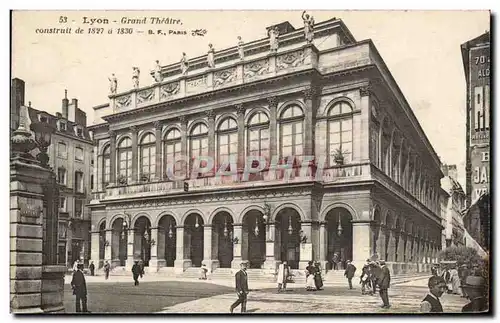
x: 323, y: 245
x: 309, y: 113
x: 130, y: 249
x: 180, y: 263
x: 240, y: 109
x: 273, y: 124
x: 361, y: 242
x: 184, y: 144
x: 391, y: 245
x: 211, y: 136
x: 153, y: 262
x: 401, y: 247
x: 107, y: 249
x: 270, y: 262
x: 306, y: 249
x: 135, y: 154
x: 158, y: 151
x: 96, y: 168
x: 112, y: 157
x: 364, y: 138
x: 237, y: 234
x: 381, y: 242
x: 94, y: 252
x: 207, y: 249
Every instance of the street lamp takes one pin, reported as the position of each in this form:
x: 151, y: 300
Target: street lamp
x: 290, y: 228
x: 43, y: 134
x: 171, y: 231
x: 339, y: 228
x: 127, y: 222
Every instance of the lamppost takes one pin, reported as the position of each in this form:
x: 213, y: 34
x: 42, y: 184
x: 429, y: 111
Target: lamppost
x: 127, y: 222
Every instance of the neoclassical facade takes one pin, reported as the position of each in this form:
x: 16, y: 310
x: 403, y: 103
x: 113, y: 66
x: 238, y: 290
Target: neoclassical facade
x: 372, y: 189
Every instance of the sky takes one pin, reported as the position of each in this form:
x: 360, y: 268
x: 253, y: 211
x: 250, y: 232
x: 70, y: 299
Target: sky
x: 420, y: 48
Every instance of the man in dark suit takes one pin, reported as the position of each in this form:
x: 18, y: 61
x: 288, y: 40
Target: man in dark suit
x: 431, y: 303
x: 349, y: 273
x: 136, y: 271
x: 241, y: 288
x: 384, y: 281
x: 79, y: 289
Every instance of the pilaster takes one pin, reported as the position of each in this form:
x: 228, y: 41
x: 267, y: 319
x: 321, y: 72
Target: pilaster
x: 237, y: 234
x: 207, y: 249
x: 153, y: 262
x: 211, y: 134
x: 361, y: 242
x: 270, y: 262
x: 107, y: 249
x: 273, y: 124
x: 158, y: 151
x: 135, y: 154
x: 112, y: 175
x: 180, y: 263
x: 306, y: 248
x: 309, y: 113
x: 130, y: 249
x: 240, y: 109
x: 184, y: 142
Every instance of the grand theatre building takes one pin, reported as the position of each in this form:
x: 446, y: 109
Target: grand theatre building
x: 372, y: 191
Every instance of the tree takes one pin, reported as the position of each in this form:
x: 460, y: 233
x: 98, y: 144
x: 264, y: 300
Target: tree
x: 462, y: 255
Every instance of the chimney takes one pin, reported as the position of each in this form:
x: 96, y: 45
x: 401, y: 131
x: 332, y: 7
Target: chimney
x: 72, y: 110
x: 16, y: 101
x: 65, y: 104
x: 444, y: 169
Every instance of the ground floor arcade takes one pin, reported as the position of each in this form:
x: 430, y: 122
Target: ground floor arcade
x: 264, y: 230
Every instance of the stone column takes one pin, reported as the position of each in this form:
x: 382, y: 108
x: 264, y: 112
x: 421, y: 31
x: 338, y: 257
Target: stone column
x: 361, y: 242
x: 112, y: 157
x: 94, y: 252
x: 273, y: 124
x: 211, y: 137
x: 323, y: 244
x: 381, y: 242
x: 158, y: 151
x: 184, y: 144
x: 309, y: 96
x: 392, y: 243
x: 180, y: 263
x: 364, y: 138
x: 237, y: 234
x: 240, y: 109
x: 96, y: 168
x: 153, y: 262
x: 135, y: 154
x: 401, y: 250
x: 130, y: 249
x: 207, y: 249
x: 270, y: 262
x: 306, y: 249
x: 107, y: 249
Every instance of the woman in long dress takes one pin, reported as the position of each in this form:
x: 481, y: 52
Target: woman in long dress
x: 282, y: 276
x: 310, y: 285
x: 318, y: 280
x: 455, y: 281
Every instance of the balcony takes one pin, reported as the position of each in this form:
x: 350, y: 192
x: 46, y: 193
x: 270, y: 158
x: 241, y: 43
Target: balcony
x: 265, y: 178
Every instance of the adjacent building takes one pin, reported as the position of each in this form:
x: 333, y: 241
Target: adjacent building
x: 373, y: 189
x: 71, y: 157
x: 476, y: 58
x: 452, y: 208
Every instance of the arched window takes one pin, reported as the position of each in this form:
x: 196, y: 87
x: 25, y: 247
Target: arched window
x: 104, y: 172
x: 198, y: 141
x: 340, y: 132
x: 172, y: 150
x: 148, y: 155
x: 258, y: 135
x: 291, y: 132
x: 227, y: 141
x: 125, y: 161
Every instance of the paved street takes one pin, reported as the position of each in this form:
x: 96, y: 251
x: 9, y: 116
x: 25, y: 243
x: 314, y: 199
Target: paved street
x: 171, y: 295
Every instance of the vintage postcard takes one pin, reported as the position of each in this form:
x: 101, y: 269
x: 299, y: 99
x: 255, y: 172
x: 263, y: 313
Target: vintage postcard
x: 250, y: 162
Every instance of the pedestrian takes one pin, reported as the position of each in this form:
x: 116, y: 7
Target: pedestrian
x: 136, y: 271
x: 434, y: 270
x: 335, y: 261
x: 476, y: 290
x: 106, y: 270
x: 141, y: 267
x: 241, y: 279
x: 349, y: 272
x: 75, y: 266
x: 79, y: 287
x: 92, y: 268
x: 455, y: 281
x: 282, y: 276
x: 431, y: 303
x: 365, y: 279
x: 318, y: 280
x: 310, y: 285
x: 384, y: 282
x: 203, y: 272
x: 375, y: 274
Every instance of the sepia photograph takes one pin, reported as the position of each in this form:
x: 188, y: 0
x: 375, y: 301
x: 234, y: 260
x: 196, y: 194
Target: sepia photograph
x: 250, y: 162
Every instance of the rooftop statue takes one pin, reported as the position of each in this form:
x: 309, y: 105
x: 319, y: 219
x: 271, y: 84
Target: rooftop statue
x: 113, y: 84
x: 308, y: 27
x: 135, y: 77
x: 184, y: 64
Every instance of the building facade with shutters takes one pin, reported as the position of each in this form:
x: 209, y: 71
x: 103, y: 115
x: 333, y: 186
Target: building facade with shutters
x: 372, y: 190
x: 71, y: 154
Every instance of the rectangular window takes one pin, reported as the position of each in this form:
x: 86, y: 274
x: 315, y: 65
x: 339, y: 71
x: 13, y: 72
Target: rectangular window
x: 62, y: 230
x: 61, y: 176
x: 79, y: 182
x: 62, y: 151
x: 62, y: 126
x: 78, y: 209
x: 79, y: 132
x: 79, y: 154
x: 61, y: 254
x: 92, y: 182
x: 62, y: 204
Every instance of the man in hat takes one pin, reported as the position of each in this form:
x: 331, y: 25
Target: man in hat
x: 431, y: 303
x: 463, y: 272
x: 384, y: 282
x: 475, y: 288
x: 365, y: 279
x: 349, y: 272
x: 241, y: 288
x: 79, y: 287
x: 136, y: 271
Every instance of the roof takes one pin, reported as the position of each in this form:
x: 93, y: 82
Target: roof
x: 465, y: 47
x: 70, y: 126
